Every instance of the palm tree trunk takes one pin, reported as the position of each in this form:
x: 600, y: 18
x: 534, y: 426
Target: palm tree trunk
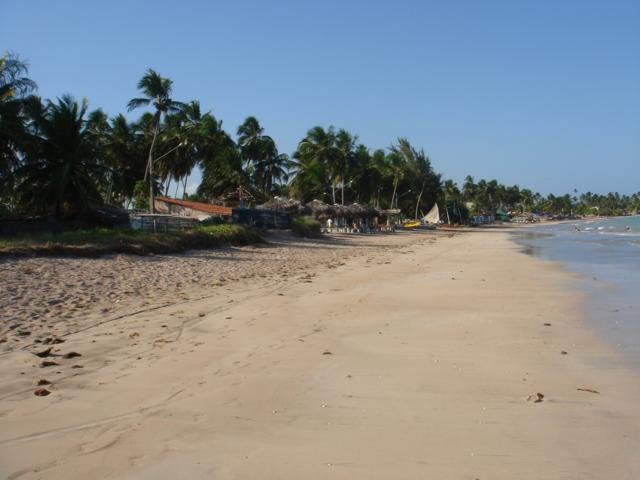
x: 342, y: 187
x: 395, y: 187
x: 184, y: 186
x: 418, y: 202
x: 152, y: 207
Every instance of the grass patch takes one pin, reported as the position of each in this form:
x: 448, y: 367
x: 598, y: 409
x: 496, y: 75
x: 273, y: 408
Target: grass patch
x: 94, y: 243
x: 306, y: 227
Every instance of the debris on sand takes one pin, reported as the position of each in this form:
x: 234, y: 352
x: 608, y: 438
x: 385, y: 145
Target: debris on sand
x: 47, y: 363
x: 563, y: 352
x: 547, y: 324
x: 536, y: 397
x: 52, y: 341
x: 44, y: 353
x: 71, y: 355
x: 41, y: 392
x: 590, y: 390
x: 327, y: 352
x: 43, y: 381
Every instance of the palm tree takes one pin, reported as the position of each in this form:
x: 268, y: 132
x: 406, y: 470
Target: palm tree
x: 345, y: 146
x: 62, y: 170
x: 220, y: 158
x: 250, y: 138
x: 125, y: 150
x: 15, y: 89
x: 398, y: 168
x: 184, y: 138
x: 157, y: 91
x: 272, y: 168
x: 317, y: 153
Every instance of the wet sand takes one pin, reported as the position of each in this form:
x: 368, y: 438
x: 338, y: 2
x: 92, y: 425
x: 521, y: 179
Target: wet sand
x: 396, y: 356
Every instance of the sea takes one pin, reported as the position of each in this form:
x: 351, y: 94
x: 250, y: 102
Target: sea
x: 606, y: 255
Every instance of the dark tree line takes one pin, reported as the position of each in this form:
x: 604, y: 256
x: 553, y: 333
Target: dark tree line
x: 58, y: 158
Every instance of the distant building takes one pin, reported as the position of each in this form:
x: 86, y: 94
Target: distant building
x: 186, y: 208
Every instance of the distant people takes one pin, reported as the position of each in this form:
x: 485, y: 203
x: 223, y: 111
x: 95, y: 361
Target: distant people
x: 575, y: 227
x: 329, y: 223
x: 627, y: 228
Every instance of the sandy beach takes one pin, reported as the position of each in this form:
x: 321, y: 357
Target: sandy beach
x: 416, y: 355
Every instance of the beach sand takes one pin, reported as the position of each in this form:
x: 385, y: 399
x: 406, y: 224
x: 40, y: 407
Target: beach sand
x: 416, y: 355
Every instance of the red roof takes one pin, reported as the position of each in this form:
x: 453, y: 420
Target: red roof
x: 199, y: 206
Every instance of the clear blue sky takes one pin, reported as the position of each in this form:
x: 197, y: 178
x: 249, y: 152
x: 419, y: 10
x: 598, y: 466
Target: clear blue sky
x: 544, y: 94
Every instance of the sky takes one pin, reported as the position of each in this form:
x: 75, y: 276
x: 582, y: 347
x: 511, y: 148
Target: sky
x: 543, y: 94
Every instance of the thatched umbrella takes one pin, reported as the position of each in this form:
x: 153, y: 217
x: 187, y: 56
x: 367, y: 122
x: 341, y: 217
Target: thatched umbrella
x: 371, y: 212
x: 319, y: 209
x: 282, y: 204
x: 356, y: 210
x: 340, y: 211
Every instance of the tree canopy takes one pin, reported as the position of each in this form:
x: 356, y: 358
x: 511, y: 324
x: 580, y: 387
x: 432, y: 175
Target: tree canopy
x: 58, y: 158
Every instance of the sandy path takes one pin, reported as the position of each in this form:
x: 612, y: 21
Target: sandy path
x: 411, y: 362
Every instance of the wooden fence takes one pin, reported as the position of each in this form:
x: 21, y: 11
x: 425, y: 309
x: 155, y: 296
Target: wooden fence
x: 162, y: 223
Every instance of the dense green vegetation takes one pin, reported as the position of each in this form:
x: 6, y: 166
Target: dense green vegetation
x: 58, y: 158
x: 96, y: 242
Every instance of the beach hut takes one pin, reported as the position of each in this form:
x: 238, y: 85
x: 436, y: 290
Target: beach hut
x: 502, y: 215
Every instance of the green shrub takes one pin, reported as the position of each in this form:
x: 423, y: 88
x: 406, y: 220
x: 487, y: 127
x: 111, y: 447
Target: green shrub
x: 306, y: 227
x: 94, y: 243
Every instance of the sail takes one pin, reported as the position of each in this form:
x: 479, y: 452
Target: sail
x: 433, y: 216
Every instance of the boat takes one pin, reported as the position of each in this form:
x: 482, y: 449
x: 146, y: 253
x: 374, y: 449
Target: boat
x: 412, y: 224
x: 433, y: 216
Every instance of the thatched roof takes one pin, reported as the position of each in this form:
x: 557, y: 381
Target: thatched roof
x: 319, y: 209
x: 283, y: 204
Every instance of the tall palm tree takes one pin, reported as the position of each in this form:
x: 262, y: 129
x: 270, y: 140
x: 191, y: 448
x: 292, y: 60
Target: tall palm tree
x: 345, y: 146
x: 317, y: 153
x: 157, y: 91
x: 272, y: 167
x: 250, y: 138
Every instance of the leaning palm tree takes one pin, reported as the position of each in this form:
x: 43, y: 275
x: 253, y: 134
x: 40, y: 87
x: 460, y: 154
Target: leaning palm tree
x: 157, y: 91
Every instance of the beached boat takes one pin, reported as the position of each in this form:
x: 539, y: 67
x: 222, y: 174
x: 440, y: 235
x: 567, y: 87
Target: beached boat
x: 433, y: 216
x: 412, y: 224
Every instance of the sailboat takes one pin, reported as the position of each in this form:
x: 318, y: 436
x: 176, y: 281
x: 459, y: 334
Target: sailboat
x: 433, y: 216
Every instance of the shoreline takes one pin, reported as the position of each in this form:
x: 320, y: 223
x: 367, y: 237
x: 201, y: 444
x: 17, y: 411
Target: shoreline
x: 608, y: 284
x: 399, y: 360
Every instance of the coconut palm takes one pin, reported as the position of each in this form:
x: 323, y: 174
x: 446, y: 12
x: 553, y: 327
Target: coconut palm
x: 15, y: 89
x: 272, y: 167
x: 317, y: 155
x: 250, y: 139
x: 60, y: 176
x: 157, y: 91
x: 345, y: 146
x: 125, y: 151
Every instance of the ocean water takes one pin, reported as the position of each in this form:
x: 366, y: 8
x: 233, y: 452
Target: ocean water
x: 606, y: 254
